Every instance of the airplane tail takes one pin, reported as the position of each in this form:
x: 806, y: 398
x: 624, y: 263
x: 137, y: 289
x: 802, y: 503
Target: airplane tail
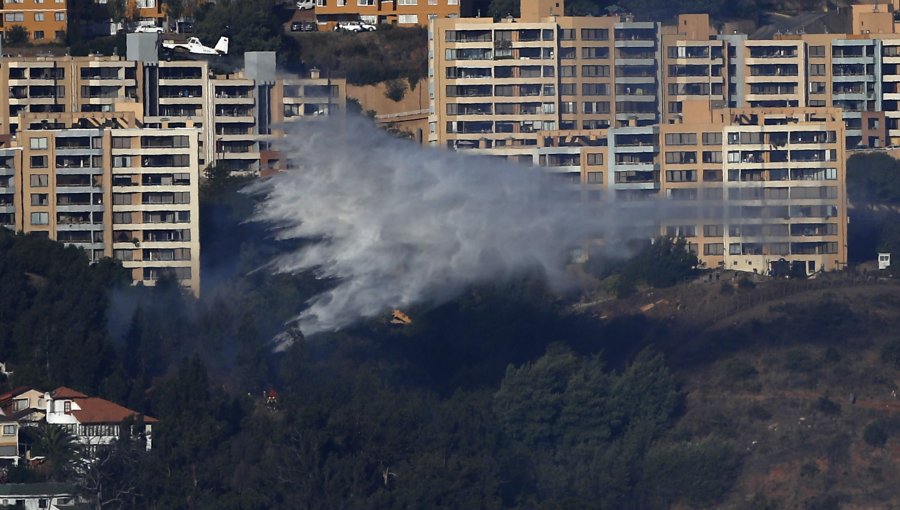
x: 222, y: 46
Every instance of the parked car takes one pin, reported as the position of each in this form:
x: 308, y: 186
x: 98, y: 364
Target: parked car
x: 354, y: 26
x: 145, y: 29
x: 305, y: 4
x: 304, y: 26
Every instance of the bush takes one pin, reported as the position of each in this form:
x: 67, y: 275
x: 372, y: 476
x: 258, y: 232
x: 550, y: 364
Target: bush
x: 890, y: 353
x: 695, y: 474
x: 746, y: 284
x: 758, y: 412
x: 827, y: 406
x: 17, y: 35
x: 799, y: 361
x: 876, y: 434
x: 726, y: 289
x: 739, y: 370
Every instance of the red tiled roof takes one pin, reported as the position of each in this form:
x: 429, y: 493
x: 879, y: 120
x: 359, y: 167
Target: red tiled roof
x: 63, y: 392
x: 97, y: 410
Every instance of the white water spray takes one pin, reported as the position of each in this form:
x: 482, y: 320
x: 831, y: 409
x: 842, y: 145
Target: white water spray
x: 398, y: 224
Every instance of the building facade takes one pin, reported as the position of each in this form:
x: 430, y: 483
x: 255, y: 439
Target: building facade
x: 44, y: 20
x: 400, y: 12
x: 112, y: 189
x: 497, y: 84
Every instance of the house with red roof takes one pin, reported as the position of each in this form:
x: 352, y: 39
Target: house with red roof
x: 95, y: 421
x: 19, y: 407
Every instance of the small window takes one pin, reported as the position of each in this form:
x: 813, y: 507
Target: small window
x: 39, y: 180
x: 38, y: 161
x: 595, y: 159
x: 39, y: 143
x: 9, y: 430
x: 595, y: 177
x: 67, y: 407
x: 40, y: 218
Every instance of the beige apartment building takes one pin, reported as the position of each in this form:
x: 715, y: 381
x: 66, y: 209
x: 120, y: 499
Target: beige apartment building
x: 235, y: 112
x: 44, y: 20
x: 758, y: 185
x: 112, y: 187
x: 404, y: 13
x: 500, y: 84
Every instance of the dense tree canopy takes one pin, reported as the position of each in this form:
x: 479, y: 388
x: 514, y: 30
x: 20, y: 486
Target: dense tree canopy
x: 500, y: 399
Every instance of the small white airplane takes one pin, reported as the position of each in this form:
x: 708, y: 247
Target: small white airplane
x: 197, y: 48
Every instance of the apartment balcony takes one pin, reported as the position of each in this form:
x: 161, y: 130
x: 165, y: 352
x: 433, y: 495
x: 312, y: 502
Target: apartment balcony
x: 69, y: 224
x: 78, y: 171
x: 240, y: 100
x: 636, y: 166
x: 632, y: 61
x: 80, y: 207
x: 635, y: 80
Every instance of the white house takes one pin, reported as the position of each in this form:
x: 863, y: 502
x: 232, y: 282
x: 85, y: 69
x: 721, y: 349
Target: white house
x: 93, y: 421
x: 37, y: 496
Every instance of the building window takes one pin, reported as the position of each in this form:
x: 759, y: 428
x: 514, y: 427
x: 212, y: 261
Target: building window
x: 594, y: 34
x: 817, y: 70
x: 407, y: 2
x: 592, y: 53
x: 594, y: 177
x: 67, y: 407
x: 60, y: 16
x: 9, y: 430
x: 713, y: 249
x: 39, y: 180
x: 594, y: 159
x: 38, y: 161
x: 408, y: 19
x: 38, y: 143
x: 39, y: 16
x: 15, y: 16
x: 681, y: 139
x: 40, y: 199
x: 817, y: 51
x: 365, y: 3
x: 594, y: 89
x: 567, y: 34
x: 594, y: 71
x: 40, y: 218
x: 712, y: 138
x: 123, y: 254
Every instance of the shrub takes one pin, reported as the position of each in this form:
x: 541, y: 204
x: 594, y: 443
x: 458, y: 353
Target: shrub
x: 890, y: 353
x: 697, y: 474
x: 17, y: 35
x: 726, y: 288
x: 746, y: 284
x: 758, y: 412
x: 799, y: 361
x: 827, y: 406
x: 739, y: 370
x: 876, y: 434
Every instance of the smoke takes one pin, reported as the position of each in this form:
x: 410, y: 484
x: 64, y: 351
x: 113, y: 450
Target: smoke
x: 395, y: 224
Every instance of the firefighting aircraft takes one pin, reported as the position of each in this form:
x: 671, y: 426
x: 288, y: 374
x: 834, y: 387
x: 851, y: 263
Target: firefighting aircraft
x: 194, y: 46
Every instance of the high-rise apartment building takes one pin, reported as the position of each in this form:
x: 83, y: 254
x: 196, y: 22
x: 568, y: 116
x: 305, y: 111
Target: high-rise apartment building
x: 400, y: 12
x: 500, y: 84
x: 103, y: 183
x: 44, y: 20
x: 753, y: 186
x: 235, y: 112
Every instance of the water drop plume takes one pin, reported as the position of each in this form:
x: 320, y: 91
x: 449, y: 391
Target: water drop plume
x: 396, y: 224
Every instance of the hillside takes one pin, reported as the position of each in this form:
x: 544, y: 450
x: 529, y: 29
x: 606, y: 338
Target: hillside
x: 798, y: 376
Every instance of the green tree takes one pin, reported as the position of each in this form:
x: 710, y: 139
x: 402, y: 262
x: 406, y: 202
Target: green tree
x: 16, y: 35
x: 59, y: 449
